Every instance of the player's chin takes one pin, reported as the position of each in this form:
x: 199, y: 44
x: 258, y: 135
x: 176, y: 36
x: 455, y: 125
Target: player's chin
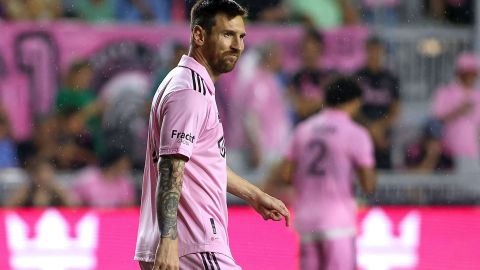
x: 228, y: 65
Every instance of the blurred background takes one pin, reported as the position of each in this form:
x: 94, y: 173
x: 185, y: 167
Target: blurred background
x: 77, y: 78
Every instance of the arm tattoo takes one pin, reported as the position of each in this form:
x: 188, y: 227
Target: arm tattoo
x: 170, y: 180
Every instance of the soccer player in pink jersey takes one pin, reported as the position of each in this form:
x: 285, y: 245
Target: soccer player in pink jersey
x: 183, y: 216
x: 325, y: 152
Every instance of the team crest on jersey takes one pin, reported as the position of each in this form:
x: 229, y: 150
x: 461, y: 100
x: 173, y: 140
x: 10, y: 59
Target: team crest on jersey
x: 221, y: 146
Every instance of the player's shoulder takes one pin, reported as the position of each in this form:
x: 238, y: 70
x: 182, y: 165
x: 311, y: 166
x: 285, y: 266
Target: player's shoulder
x: 358, y: 130
x: 185, y: 98
x: 304, y: 126
x: 183, y: 78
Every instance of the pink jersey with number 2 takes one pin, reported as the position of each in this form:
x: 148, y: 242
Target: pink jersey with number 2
x: 184, y: 120
x: 326, y: 149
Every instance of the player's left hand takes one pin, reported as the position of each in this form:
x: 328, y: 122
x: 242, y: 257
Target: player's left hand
x: 270, y: 208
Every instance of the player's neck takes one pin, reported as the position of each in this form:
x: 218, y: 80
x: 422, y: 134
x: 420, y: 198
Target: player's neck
x: 349, y: 109
x: 200, y: 58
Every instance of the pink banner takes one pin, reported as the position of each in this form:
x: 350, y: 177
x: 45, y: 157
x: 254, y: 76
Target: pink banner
x: 389, y: 239
x: 33, y: 57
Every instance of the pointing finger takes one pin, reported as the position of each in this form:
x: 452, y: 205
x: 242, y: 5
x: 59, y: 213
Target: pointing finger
x: 287, y: 219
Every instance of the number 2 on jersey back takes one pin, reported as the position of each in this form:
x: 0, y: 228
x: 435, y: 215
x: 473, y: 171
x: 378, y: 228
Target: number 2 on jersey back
x: 319, y: 148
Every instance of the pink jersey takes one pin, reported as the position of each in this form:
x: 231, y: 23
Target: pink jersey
x: 326, y: 149
x: 460, y: 135
x: 184, y: 120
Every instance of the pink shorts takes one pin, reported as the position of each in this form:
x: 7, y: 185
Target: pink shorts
x: 336, y: 254
x: 204, y: 260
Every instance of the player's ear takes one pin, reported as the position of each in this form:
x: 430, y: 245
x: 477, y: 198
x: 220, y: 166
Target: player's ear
x: 198, y: 35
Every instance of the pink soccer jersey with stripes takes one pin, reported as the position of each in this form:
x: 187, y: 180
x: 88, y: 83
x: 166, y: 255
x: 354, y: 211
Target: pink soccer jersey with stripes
x: 326, y: 149
x: 184, y: 120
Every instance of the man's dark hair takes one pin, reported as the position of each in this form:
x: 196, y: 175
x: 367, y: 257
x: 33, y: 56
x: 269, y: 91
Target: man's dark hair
x: 204, y: 11
x: 342, y: 90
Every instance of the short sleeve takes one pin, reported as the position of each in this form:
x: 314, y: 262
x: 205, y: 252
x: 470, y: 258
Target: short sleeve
x: 362, y: 150
x: 182, y: 115
x: 440, y: 104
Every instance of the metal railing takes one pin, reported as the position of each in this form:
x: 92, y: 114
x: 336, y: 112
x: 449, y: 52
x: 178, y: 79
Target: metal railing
x: 425, y: 189
x: 392, y: 188
x: 424, y: 57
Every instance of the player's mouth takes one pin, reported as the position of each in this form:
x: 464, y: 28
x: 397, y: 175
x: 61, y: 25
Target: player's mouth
x: 233, y: 57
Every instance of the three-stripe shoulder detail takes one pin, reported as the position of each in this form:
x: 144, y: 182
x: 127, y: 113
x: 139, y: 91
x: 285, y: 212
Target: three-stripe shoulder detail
x: 198, y: 83
x: 211, y: 265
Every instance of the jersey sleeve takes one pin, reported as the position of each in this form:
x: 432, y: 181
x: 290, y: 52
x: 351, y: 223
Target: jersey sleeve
x: 440, y: 104
x: 362, y: 150
x: 183, y: 115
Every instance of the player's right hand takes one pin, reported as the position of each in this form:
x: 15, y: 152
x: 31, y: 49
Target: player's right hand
x: 167, y: 255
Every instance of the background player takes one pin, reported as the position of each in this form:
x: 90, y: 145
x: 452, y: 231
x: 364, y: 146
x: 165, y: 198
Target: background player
x: 188, y: 189
x: 324, y: 153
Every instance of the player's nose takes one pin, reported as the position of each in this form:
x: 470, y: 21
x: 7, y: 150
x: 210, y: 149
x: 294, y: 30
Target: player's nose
x: 237, y: 45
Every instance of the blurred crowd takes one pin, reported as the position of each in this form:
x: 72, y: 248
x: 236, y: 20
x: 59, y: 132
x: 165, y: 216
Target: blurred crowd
x: 323, y: 14
x: 99, y: 139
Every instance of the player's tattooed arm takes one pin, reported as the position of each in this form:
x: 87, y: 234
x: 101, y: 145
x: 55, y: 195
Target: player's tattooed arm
x: 169, y: 186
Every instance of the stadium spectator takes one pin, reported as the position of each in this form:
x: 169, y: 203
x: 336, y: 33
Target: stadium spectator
x: 457, y: 105
x: 43, y: 143
x: 325, y: 13
x: 259, y: 102
x: 75, y: 94
x: 8, y: 155
x: 266, y: 11
x: 41, y: 189
x: 94, y: 11
x: 109, y: 185
x: 381, y: 105
x: 169, y: 57
x: 135, y: 11
x: 76, y: 97
x: 75, y: 144
x: 427, y: 155
x: 306, y: 86
x: 124, y: 120
x: 32, y: 10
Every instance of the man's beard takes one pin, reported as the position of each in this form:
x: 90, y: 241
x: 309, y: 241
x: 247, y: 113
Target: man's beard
x: 225, y: 66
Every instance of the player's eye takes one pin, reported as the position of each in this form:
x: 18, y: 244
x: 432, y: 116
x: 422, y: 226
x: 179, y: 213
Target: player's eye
x: 228, y: 35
